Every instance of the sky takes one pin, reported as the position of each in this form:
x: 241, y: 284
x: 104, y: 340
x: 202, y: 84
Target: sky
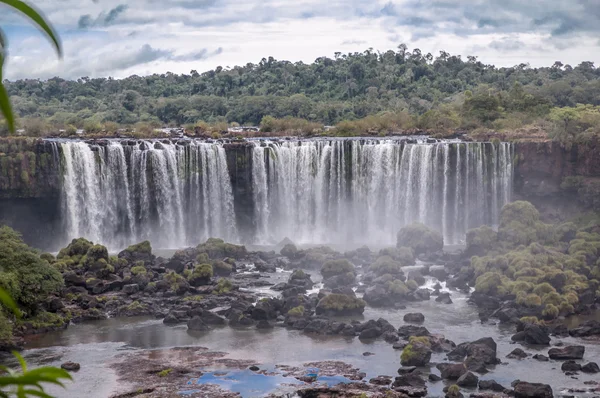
x: 120, y: 38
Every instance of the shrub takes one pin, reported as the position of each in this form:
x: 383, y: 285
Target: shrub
x: 550, y: 312
x: 217, y: 249
x: 77, y: 247
x: 543, y: 288
x: 420, y: 238
x: 397, y: 288
x: 530, y: 300
x: 386, y: 265
x: 412, y: 285
x: 223, y: 286
x: 138, y: 270
x: 336, y: 267
x: 23, y: 273
x: 481, y: 240
x: 520, y: 211
x: 296, y: 311
x: 290, y: 250
x: 403, y: 255
x: 142, y: 247
x: 489, y: 283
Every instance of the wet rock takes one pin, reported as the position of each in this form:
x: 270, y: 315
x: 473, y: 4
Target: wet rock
x: 491, y: 385
x: 532, y: 334
x: 591, y: 367
x: 541, y: 358
x: 532, y: 390
x: 197, y: 324
x: 174, y: 317
x: 264, y: 324
x: 586, y: 329
x: 210, y: 318
x: 238, y: 318
x: 468, y: 380
x: 370, y: 333
x: 507, y: 315
x: 406, y: 370
x: 54, y: 304
x: 131, y: 289
x: 409, y: 380
x: 368, y: 354
x: 484, y: 301
x: 254, y: 368
x: 482, y: 350
x: 433, y: 377
x: 451, y: 371
x: 517, y: 353
x: 415, y: 317
x: 391, y: 337
x: 475, y: 365
x: 415, y: 354
x: 568, y: 352
x: 399, y: 345
x: 71, y: 366
x: 317, y: 326
x: 444, y: 298
x: 377, y: 296
x: 381, y: 380
x: 570, y: 366
x: 410, y: 330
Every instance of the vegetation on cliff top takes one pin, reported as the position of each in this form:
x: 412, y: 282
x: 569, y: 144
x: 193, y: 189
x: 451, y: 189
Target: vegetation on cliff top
x: 361, y: 93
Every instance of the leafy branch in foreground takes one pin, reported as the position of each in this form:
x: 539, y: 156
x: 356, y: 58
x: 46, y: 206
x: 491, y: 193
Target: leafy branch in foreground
x: 37, y: 19
x: 27, y: 383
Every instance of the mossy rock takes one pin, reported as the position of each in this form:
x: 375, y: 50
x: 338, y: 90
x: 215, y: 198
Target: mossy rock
x: 340, y: 304
x: 337, y: 267
x: 218, y: 249
x: 290, y: 251
x: 417, y: 352
x: 77, y: 247
x: 403, y: 255
x: 201, y: 275
x: 296, y: 312
x: 139, y: 252
x: 420, y: 238
x: 386, y: 265
x: 481, y: 241
x: 221, y: 268
x: 224, y: 286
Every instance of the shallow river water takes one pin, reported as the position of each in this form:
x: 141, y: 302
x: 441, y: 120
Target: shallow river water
x: 95, y: 344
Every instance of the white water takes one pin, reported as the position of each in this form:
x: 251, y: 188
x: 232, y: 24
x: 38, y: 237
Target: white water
x: 356, y: 192
x: 170, y: 194
x: 340, y: 192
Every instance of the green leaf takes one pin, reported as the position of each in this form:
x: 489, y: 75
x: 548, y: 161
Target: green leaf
x: 37, y: 393
x: 5, y: 297
x: 21, y: 361
x: 36, y: 17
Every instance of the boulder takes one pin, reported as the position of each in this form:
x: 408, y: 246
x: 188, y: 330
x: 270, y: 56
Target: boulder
x: 415, y: 354
x: 532, y: 334
x: 591, y: 367
x: 264, y: 324
x: 491, y: 385
x: 71, y: 366
x: 566, y: 353
x: 467, y: 380
x: 370, y: 333
x: 570, y: 366
x: 420, y: 238
x: 586, y: 329
x: 381, y: 381
x: 452, y: 371
x: 131, y: 289
x: 414, y: 317
x: 532, y: 390
x: 517, y: 353
x: 541, y: 358
x: 482, y: 350
x: 197, y: 324
x: 444, y: 298
x: 409, y: 330
x: 210, y: 318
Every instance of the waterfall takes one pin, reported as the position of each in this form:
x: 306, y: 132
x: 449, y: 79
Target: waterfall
x: 357, y: 192
x: 350, y: 192
x: 173, y: 195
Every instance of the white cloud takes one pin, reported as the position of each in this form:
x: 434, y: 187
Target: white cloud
x: 152, y: 36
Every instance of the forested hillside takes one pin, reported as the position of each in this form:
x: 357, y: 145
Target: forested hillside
x: 413, y: 89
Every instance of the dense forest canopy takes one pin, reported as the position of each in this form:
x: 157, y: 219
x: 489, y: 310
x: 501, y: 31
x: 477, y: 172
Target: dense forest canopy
x: 446, y: 91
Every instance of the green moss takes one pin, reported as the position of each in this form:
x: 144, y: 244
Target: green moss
x: 550, y: 312
x: 490, y: 283
x: 202, y: 258
x: 519, y: 211
x: 142, y: 247
x: 530, y: 300
x: 164, y: 372
x: 336, y: 267
x: 223, y: 286
x: 77, y: 247
x: 386, y: 265
x: 397, y: 288
x: 218, y: 249
x: 454, y: 389
x: 543, y: 288
x: 296, y: 311
x: 481, y: 240
x: 412, y: 285
x: 298, y: 274
x: 139, y: 270
x: 45, y: 320
x: 531, y: 320
x: 420, y: 238
x: 341, y: 302
x: 420, y: 339
x: 403, y: 255
x: 204, y: 271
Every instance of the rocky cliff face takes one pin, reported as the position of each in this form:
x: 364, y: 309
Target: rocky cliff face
x: 30, y: 189
x: 559, y: 181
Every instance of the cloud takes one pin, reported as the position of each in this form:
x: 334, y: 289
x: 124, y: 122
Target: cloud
x: 104, y: 19
x: 116, y: 38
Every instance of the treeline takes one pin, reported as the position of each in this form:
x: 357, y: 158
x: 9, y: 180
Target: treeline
x: 359, y: 92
